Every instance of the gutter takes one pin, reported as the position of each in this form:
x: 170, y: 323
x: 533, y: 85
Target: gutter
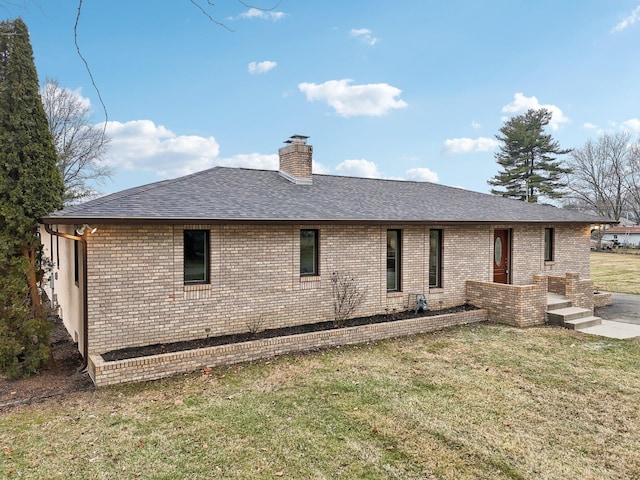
x: 93, y: 220
x: 85, y: 296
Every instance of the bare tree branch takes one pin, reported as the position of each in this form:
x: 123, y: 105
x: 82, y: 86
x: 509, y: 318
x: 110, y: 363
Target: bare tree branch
x: 86, y: 64
x: 257, y: 8
x: 601, y: 174
x: 221, y: 24
x: 80, y: 146
x: 633, y: 182
x: 206, y: 14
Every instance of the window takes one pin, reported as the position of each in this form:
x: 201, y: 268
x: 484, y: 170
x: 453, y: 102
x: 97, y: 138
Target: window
x: 548, y: 244
x: 196, y: 256
x: 393, y: 260
x: 308, y: 253
x: 435, y: 258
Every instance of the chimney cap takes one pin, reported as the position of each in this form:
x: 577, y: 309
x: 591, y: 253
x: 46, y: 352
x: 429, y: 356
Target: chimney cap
x: 302, y: 139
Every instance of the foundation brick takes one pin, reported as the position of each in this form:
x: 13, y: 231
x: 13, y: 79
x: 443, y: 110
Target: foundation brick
x: 160, y: 366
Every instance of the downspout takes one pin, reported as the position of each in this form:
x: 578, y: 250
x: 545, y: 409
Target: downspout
x: 85, y: 296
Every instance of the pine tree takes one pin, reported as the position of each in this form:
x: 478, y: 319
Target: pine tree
x: 30, y: 187
x: 527, y: 157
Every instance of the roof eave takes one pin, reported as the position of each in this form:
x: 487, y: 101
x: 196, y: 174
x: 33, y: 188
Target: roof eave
x: 79, y: 220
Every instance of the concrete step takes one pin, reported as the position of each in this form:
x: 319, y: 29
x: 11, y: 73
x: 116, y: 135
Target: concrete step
x: 556, y: 301
x: 585, y: 322
x: 561, y: 315
x: 558, y: 304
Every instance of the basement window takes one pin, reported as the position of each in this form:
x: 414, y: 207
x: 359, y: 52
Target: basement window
x: 196, y: 257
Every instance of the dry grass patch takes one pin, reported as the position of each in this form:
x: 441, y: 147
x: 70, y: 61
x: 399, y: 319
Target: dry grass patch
x: 480, y: 401
x: 616, y: 272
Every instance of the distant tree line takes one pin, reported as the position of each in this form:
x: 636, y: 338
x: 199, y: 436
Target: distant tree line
x: 605, y: 177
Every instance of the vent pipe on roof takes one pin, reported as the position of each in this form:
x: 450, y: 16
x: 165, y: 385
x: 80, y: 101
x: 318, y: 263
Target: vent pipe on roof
x: 296, y: 160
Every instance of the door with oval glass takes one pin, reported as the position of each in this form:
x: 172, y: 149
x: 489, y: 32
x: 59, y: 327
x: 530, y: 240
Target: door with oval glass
x: 501, y: 258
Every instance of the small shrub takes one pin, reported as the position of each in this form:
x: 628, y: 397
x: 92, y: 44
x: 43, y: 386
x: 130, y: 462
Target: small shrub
x: 24, y: 335
x: 347, y: 297
x: 255, y: 324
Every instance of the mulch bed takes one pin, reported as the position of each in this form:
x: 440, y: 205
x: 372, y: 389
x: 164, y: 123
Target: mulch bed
x: 144, y: 351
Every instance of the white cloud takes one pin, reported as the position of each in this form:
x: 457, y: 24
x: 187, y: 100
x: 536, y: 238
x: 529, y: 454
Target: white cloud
x: 350, y: 100
x: 318, y: 167
x: 421, y: 174
x: 261, y: 67
x: 251, y: 160
x: 143, y: 145
x: 457, y: 146
x: 58, y: 95
x: 521, y: 104
x: 590, y: 126
x: 628, y: 21
x: 632, y: 124
x: 475, y: 125
x: 359, y: 168
x: 365, y: 35
x: 366, y: 169
x: 263, y: 14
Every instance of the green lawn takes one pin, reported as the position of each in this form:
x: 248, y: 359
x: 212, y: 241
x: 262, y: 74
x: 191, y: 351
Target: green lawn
x: 481, y: 401
x: 616, y: 272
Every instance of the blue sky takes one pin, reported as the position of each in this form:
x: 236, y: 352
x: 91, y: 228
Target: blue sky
x: 390, y: 89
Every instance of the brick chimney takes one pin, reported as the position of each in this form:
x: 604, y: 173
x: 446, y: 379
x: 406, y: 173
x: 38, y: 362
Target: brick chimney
x: 296, y: 160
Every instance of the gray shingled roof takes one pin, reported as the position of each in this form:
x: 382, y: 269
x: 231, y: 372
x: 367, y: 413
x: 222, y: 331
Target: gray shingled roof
x: 236, y: 194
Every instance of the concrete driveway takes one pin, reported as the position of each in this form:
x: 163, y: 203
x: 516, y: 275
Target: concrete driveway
x: 625, y: 308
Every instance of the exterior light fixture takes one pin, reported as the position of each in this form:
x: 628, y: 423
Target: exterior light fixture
x: 81, y: 231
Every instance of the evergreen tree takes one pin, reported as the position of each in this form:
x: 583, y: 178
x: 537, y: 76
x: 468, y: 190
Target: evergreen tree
x: 30, y: 187
x: 527, y: 157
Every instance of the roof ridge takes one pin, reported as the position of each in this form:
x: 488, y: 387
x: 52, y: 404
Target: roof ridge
x: 381, y: 179
x: 237, y: 194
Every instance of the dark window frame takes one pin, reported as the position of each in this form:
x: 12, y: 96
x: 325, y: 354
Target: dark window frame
x: 549, y: 244
x: 396, y: 258
x: 316, y: 253
x: 206, y: 260
x: 435, y: 270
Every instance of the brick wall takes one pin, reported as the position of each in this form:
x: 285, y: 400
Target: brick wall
x: 517, y: 305
x: 602, y: 299
x: 159, y: 366
x: 579, y: 291
x: 556, y: 284
x: 571, y: 251
x: 137, y: 296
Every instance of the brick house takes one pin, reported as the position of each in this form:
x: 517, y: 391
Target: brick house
x: 218, y: 251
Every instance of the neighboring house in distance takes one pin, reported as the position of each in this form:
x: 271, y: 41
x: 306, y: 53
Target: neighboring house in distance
x: 623, y: 236
x: 210, y: 253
